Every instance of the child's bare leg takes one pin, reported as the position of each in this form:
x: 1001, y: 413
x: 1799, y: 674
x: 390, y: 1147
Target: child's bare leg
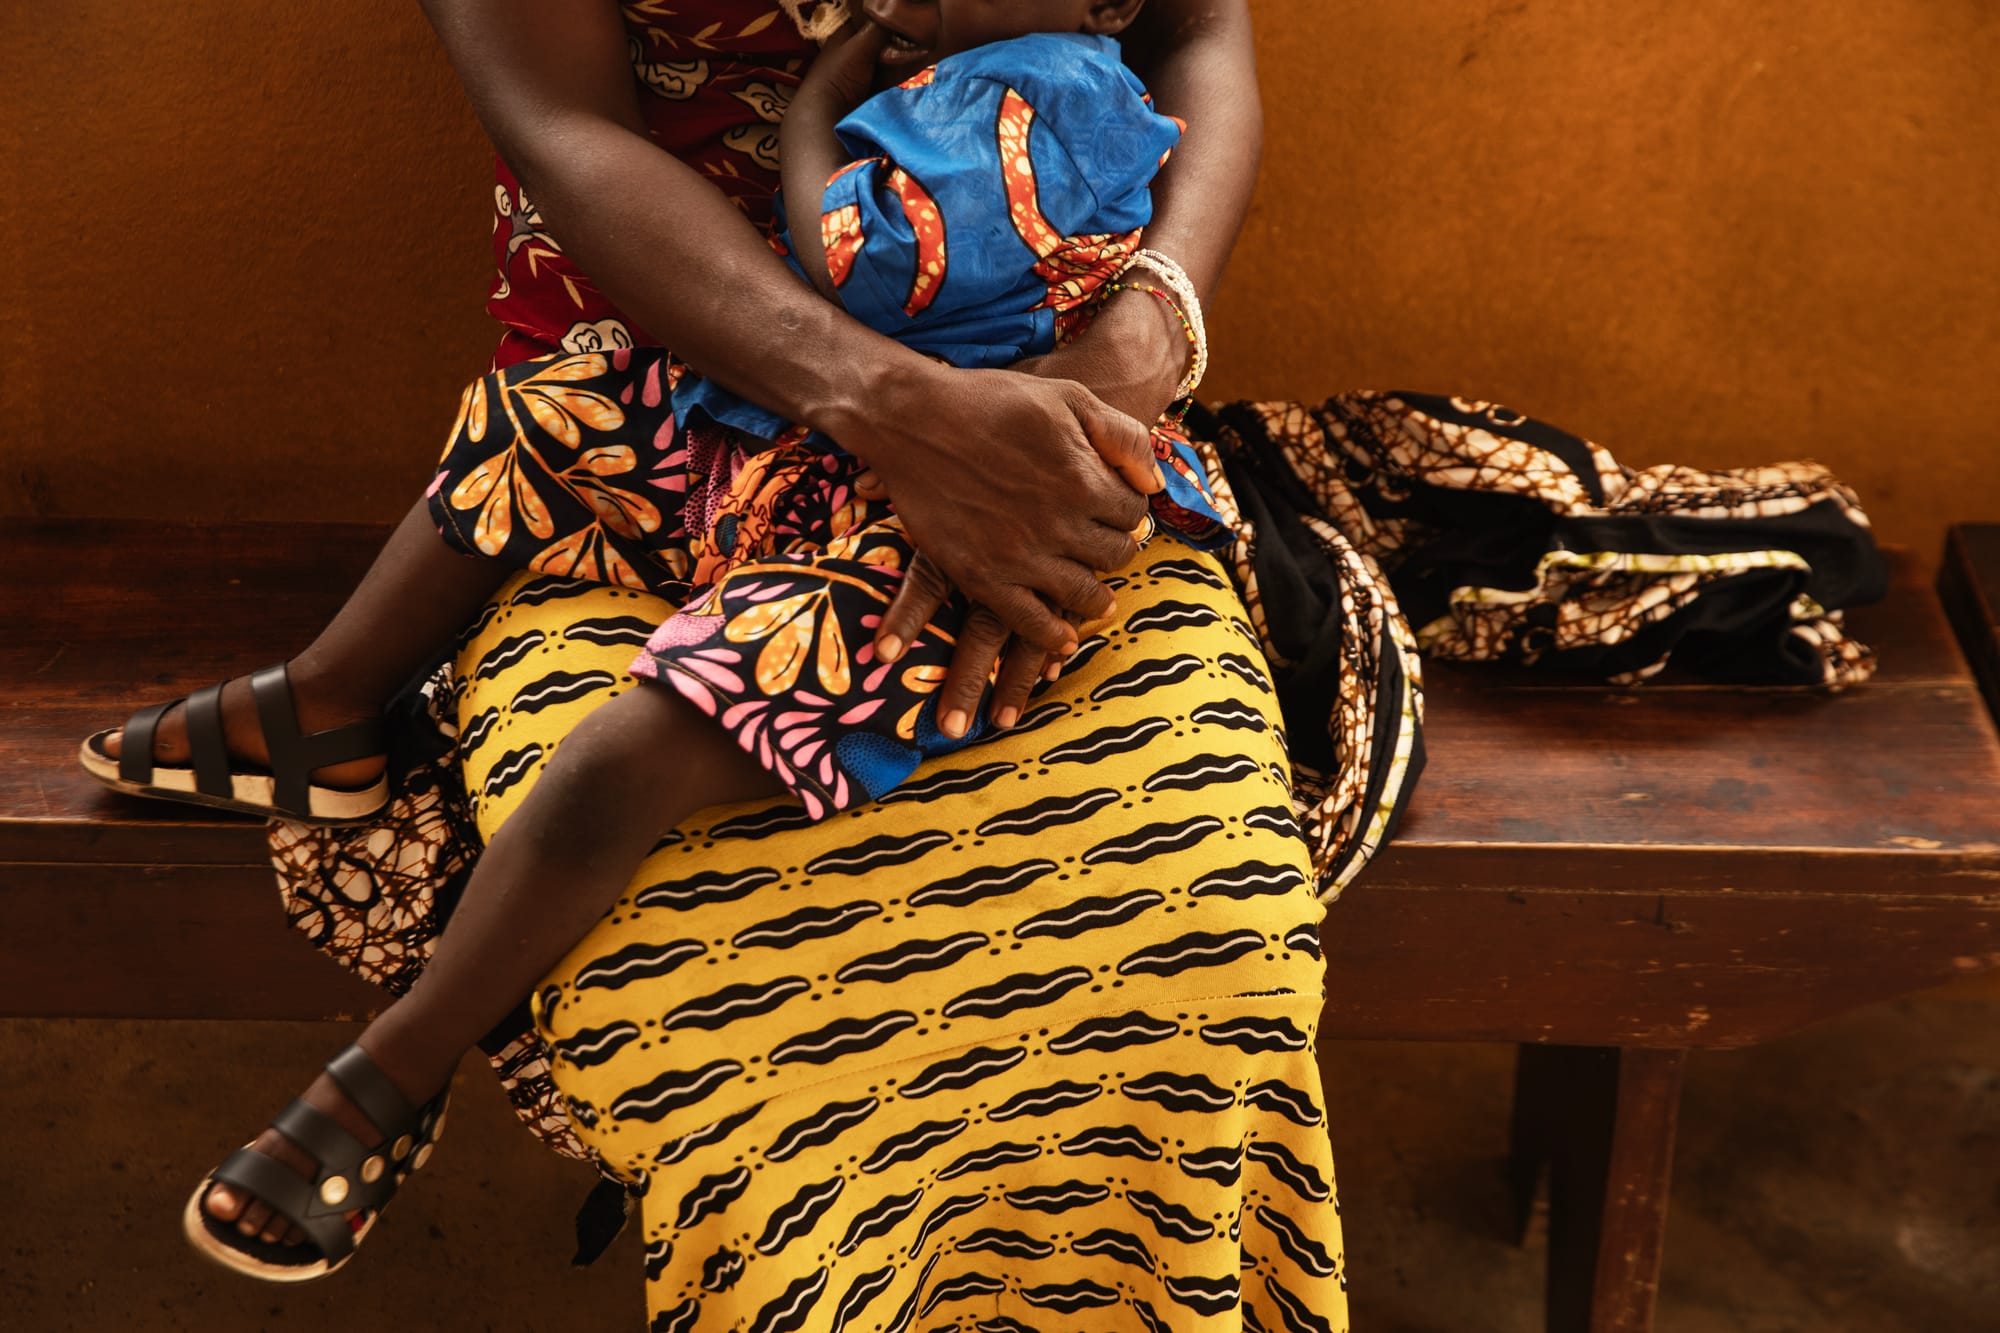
x: 634, y: 769
x: 417, y: 594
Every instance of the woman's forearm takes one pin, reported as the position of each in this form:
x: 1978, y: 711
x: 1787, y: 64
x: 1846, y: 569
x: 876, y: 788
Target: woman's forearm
x: 551, y: 85
x: 1018, y: 487
x: 1197, y: 58
x: 674, y: 253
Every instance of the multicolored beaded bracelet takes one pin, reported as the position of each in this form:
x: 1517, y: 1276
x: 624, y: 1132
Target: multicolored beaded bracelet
x: 1183, y: 393
x: 1187, y: 300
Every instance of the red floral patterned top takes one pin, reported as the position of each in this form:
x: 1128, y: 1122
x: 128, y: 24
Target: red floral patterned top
x: 715, y: 77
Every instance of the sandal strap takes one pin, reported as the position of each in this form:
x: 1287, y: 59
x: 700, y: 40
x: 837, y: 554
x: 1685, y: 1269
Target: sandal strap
x: 337, y: 1153
x: 370, y: 1089
x: 135, y: 749
x: 292, y: 1197
x: 294, y: 755
x: 206, y: 744
x: 319, y: 1134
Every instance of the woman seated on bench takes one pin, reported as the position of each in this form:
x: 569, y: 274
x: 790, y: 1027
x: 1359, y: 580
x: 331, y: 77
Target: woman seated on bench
x: 1061, y: 1048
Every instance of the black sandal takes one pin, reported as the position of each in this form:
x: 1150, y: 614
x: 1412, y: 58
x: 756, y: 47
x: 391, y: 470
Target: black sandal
x: 284, y: 791
x: 351, y: 1178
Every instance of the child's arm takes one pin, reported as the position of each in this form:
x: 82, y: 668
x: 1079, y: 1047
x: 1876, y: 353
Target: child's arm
x: 808, y: 150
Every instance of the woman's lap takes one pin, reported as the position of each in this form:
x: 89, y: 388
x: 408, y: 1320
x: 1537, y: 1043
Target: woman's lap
x: 900, y: 1052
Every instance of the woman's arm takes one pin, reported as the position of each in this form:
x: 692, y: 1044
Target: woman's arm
x: 973, y: 455
x: 1197, y: 59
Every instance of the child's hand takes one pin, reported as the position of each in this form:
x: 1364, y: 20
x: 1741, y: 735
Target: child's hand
x: 844, y: 74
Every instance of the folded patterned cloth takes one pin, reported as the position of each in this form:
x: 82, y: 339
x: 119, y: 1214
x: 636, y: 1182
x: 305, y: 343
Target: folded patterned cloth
x: 1372, y: 526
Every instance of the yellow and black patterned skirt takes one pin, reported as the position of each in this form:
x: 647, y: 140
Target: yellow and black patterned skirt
x: 1027, y: 1045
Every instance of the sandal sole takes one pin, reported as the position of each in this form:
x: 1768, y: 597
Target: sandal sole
x: 251, y: 792
x: 201, y: 1232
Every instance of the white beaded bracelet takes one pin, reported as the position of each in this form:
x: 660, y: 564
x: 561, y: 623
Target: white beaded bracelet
x: 1177, y: 281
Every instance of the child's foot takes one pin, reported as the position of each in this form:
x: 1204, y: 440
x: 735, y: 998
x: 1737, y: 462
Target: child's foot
x: 254, y: 1219
x: 243, y: 734
x: 262, y: 744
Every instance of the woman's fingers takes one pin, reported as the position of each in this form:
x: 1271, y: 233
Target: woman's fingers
x: 1001, y: 479
x: 1021, y: 669
x: 980, y: 640
x: 923, y: 590
x: 984, y: 638
x: 1108, y: 551
x: 1076, y: 590
x: 1071, y: 584
x: 1031, y: 618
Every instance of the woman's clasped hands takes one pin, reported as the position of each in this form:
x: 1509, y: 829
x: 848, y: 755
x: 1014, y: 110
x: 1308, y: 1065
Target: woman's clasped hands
x: 1021, y: 488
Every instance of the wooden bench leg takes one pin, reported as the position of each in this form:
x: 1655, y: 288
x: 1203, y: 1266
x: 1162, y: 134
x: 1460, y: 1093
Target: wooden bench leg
x: 1537, y: 1084
x: 1600, y: 1121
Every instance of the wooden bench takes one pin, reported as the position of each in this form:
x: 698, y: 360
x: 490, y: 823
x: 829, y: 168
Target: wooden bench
x: 1610, y: 878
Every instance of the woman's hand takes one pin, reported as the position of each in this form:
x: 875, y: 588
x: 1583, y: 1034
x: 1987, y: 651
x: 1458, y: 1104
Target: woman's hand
x: 1001, y: 476
x: 1198, y: 59
x: 975, y: 456
x: 1130, y: 358
x: 1018, y: 488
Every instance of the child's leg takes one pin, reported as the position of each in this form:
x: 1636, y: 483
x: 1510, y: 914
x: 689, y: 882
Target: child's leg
x: 417, y: 594
x: 630, y: 772
x: 422, y: 590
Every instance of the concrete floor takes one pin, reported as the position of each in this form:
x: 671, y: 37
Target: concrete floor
x: 1845, y: 1179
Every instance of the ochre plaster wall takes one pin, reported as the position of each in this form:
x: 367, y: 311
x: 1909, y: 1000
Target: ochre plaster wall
x: 244, y: 244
